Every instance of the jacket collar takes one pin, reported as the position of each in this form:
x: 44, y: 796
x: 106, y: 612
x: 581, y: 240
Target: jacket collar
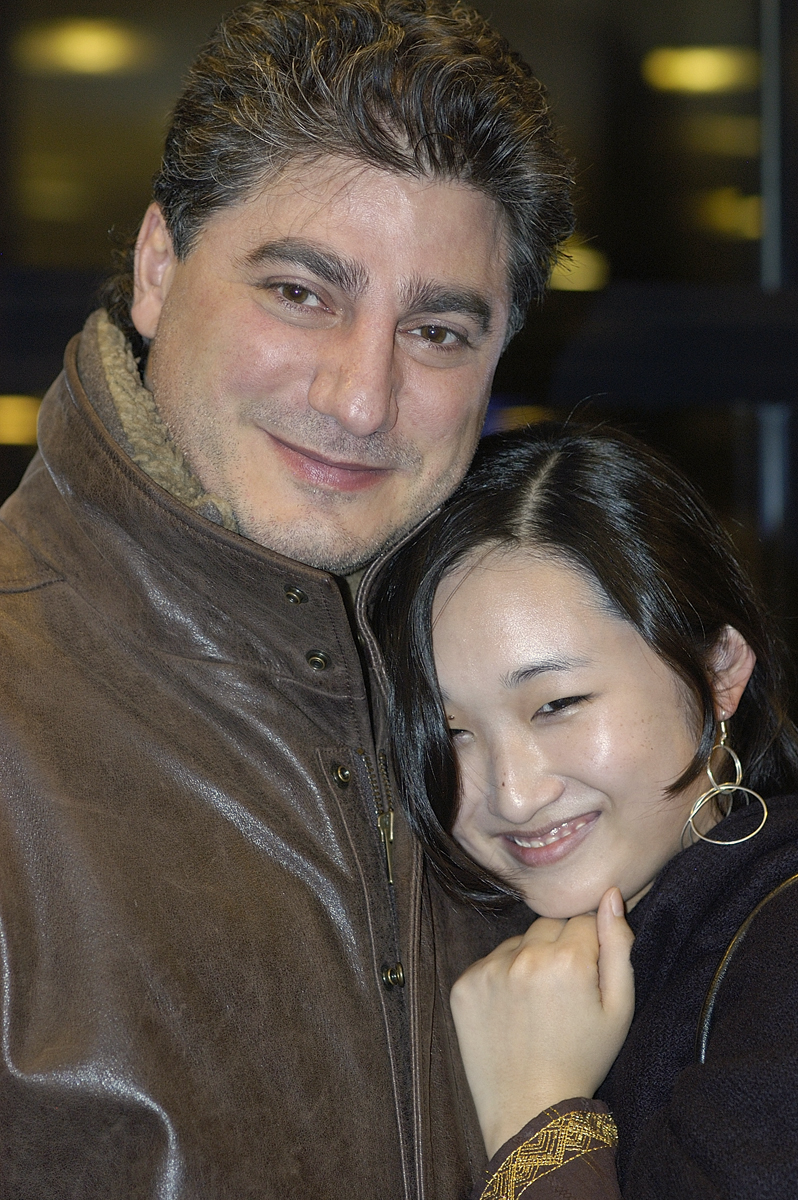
x: 161, y: 570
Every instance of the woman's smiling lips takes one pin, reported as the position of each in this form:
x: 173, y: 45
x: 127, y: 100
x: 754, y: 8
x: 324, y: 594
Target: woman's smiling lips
x: 540, y: 847
x: 314, y: 468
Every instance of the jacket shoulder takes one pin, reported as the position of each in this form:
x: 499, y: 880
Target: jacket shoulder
x: 20, y: 569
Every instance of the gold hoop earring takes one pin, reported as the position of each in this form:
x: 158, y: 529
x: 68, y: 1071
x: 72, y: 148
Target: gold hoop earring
x: 723, y: 792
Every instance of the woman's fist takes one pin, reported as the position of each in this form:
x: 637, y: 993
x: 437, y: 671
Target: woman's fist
x: 542, y: 1018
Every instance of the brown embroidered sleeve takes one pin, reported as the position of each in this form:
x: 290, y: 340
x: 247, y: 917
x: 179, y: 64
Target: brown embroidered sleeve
x: 567, y: 1152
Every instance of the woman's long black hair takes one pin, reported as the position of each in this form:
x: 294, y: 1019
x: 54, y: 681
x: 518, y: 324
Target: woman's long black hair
x: 610, y: 506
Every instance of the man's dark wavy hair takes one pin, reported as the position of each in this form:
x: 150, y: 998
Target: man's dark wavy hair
x: 604, y: 503
x: 419, y: 87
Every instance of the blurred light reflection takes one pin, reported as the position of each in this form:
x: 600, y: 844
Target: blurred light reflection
x: 727, y: 212
x: 722, y: 134
x: 702, y: 69
x: 18, y: 415
x: 84, y: 46
x: 582, y: 268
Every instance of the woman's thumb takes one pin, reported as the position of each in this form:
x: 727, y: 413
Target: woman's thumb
x: 616, y: 978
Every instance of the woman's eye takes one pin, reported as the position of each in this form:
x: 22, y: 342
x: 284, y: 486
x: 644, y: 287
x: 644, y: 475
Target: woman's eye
x: 557, y: 706
x: 458, y: 734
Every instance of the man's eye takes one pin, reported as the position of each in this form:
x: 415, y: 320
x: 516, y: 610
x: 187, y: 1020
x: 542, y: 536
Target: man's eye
x: 298, y: 294
x: 439, y: 335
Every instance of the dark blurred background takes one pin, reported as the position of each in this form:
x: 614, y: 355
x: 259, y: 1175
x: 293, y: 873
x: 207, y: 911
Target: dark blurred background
x: 674, y: 313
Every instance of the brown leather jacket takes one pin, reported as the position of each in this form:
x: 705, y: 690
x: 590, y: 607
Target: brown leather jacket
x: 199, y: 940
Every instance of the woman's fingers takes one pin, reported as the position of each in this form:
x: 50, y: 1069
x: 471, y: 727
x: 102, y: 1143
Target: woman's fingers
x: 544, y: 929
x: 542, y: 932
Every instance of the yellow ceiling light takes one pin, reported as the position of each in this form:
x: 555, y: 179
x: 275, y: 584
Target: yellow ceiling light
x: 702, y: 69
x: 582, y: 268
x: 722, y: 134
x: 18, y: 416
x: 51, y: 187
x: 728, y: 213
x: 83, y: 46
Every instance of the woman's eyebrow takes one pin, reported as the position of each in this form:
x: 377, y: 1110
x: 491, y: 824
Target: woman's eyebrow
x: 530, y: 670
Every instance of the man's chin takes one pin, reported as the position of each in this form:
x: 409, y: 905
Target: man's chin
x: 337, y: 551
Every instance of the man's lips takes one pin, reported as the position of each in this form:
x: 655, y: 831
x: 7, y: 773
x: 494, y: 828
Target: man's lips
x: 315, y: 468
x: 539, y: 847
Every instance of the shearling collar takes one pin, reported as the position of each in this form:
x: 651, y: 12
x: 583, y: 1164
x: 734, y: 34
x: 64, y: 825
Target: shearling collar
x: 109, y: 374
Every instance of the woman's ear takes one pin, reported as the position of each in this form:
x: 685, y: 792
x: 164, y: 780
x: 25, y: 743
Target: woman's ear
x: 153, y: 271
x: 732, y: 661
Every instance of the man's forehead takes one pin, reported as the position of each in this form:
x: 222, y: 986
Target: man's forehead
x: 326, y: 190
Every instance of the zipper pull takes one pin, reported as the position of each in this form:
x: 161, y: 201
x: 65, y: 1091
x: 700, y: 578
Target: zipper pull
x: 384, y: 815
x: 385, y: 822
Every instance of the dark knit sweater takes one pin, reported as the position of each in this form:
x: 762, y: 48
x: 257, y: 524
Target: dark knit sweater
x: 728, y: 1128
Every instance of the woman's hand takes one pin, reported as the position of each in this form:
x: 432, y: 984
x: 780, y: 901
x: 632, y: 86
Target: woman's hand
x: 542, y: 1017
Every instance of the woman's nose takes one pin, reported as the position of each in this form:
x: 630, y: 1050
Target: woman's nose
x: 520, y: 785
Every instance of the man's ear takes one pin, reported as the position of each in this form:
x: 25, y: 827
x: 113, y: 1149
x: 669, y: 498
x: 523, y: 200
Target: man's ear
x: 153, y: 271
x: 732, y: 662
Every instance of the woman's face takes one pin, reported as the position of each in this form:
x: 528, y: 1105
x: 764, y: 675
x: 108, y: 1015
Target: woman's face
x: 568, y: 729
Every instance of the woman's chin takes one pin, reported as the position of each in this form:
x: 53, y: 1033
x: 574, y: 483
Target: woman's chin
x: 563, y: 907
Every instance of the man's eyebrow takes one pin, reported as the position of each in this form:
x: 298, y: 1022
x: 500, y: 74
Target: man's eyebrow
x: 420, y: 295
x: 532, y: 670
x: 343, y: 273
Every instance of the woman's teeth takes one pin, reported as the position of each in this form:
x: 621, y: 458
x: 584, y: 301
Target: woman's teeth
x: 553, y: 835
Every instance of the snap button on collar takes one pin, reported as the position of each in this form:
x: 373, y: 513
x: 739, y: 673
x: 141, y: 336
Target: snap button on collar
x: 295, y: 595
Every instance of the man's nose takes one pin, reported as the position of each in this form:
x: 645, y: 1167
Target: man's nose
x: 355, y: 380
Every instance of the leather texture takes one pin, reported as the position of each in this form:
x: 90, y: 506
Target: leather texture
x: 194, y: 906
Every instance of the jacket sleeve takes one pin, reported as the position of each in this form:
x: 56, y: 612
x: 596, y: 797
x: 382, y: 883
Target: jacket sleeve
x: 731, y: 1126
x: 565, y: 1153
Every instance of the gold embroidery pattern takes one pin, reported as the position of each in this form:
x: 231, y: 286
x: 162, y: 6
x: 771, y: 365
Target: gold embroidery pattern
x: 562, y: 1140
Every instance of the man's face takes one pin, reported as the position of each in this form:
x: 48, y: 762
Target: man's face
x: 324, y: 355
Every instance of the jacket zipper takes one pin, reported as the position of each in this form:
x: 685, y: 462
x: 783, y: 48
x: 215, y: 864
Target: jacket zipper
x: 384, y: 814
